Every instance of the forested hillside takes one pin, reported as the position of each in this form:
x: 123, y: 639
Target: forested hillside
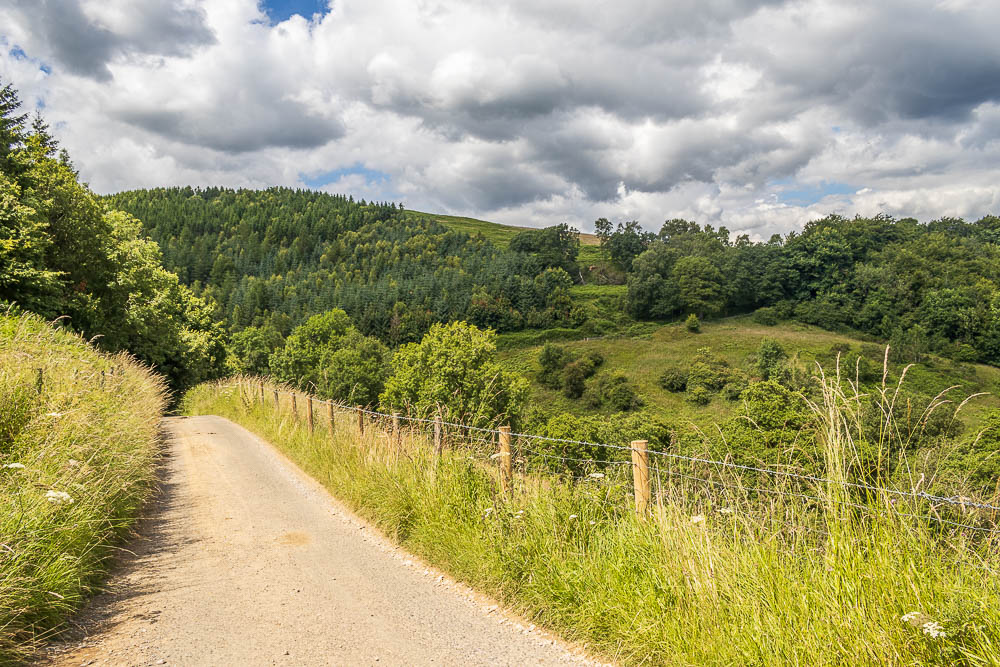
x: 922, y: 287
x: 272, y: 258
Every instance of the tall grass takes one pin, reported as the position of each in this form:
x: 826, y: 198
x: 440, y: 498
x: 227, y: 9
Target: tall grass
x: 768, y: 576
x: 76, y: 463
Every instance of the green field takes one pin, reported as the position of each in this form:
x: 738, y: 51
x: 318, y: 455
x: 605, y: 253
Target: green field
x: 644, y: 357
x: 499, y: 235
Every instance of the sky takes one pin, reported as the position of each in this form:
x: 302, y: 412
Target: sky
x: 756, y: 116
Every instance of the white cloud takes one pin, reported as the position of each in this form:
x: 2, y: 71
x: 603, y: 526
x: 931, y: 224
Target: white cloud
x: 534, y: 113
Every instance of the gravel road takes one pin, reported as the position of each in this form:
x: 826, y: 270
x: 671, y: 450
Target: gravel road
x: 244, y: 560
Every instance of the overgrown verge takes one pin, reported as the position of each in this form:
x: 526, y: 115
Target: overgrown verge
x: 719, y: 573
x: 78, y: 434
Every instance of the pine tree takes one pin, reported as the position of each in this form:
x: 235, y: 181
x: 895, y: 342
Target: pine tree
x: 40, y: 133
x: 11, y: 126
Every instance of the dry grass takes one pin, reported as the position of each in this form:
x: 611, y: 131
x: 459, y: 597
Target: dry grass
x: 76, y: 464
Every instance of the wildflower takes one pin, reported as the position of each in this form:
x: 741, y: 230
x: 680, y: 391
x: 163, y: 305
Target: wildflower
x: 698, y: 518
x: 906, y: 618
x: 593, y: 523
x: 725, y: 510
x: 572, y: 516
x: 14, y: 466
x: 596, y: 475
x: 53, y: 414
x: 59, y: 498
x: 489, y: 510
x: 73, y: 463
x: 934, y: 630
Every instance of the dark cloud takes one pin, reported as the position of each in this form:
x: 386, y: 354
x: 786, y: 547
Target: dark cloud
x: 85, y: 47
x: 238, y: 128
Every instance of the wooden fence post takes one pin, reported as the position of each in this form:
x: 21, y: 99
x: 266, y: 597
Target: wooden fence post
x: 361, y: 421
x: 640, y: 475
x: 277, y: 401
x: 438, y: 439
x: 295, y: 408
x: 330, y: 414
x: 102, y: 379
x: 262, y: 393
x: 309, y: 411
x: 505, y: 459
x: 39, y: 381
x: 397, y: 437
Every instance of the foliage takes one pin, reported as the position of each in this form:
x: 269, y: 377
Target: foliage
x: 769, y: 360
x: 692, y: 323
x: 329, y: 356
x: 95, y: 441
x: 615, y: 391
x: 63, y: 254
x: 251, y: 349
x: 674, y: 379
x: 623, y: 244
x: 555, y: 247
x: 453, y: 370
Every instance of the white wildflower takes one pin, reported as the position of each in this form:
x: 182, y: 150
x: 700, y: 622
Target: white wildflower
x: 934, y: 630
x: 906, y: 618
x: 572, y: 516
x: 14, y: 466
x: 725, y: 510
x: 53, y: 414
x: 489, y: 510
x: 593, y: 523
x: 698, y: 518
x: 596, y: 475
x: 73, y: 463
x: 59, y: 498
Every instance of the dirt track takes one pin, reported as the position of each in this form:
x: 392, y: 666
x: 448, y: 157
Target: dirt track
x: 246, y: 561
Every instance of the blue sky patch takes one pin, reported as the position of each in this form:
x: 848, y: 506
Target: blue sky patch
x: 798, y: 194
x: 281, y: 10
x: 372, y: 176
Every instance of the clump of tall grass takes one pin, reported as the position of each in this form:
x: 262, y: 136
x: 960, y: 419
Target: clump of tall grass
x: 76, y: 464
x: 789, y: 571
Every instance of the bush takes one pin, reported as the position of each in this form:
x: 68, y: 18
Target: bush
x: 732, y: 391
x: 708, y: 371
x: 551, y: 360
x: 692, y: 323
x: 454, y: 369
x: 574, y: 375
x: 769, y: 360
x: 768, y: 316
x: 615, y: 392
x: 698, y: 396
x: 674, y: 379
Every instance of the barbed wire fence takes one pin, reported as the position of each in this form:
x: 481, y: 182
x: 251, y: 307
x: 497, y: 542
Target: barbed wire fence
x: 647, y: 475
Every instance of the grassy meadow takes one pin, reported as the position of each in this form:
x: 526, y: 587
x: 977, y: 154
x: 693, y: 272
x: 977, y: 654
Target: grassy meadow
x: 716, y: 573
x: 655, y: 347
x: 498, y: 234
x: 76, y: 464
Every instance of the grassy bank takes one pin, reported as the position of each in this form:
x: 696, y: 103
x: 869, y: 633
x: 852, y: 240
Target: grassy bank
x: 76, y: 464
x: 718, y: 574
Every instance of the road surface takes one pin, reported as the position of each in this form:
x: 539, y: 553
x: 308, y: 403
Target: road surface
x: 244, y: 560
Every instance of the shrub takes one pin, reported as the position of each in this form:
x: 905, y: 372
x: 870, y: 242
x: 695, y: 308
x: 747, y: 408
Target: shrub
x: 708, y: 371
x: 454, y: 369
x: 768, y: 316
x: 615, y: 392
x: 551, y: 360
x: 698, y: 396
x: 674, y: 379
x: 769, y: 360
x: 574, y: 375
x: 692, y: 323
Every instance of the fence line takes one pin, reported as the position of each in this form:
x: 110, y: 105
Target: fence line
x: 641, y: 469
